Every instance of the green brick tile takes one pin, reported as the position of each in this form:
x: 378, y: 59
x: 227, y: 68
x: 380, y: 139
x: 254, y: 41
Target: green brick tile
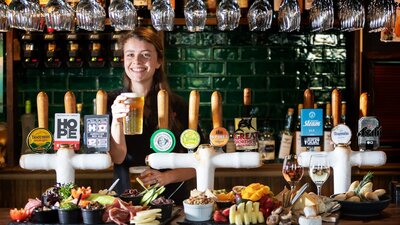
x: 278, y: 53
x: 257, y: 53
x: 173, y: 53
x: 75, y: 71
x: 57, y: 97
x: 211, y: 68
x: 109, y: 83
x: 89, y: 71
x: 28, y: 83
x: 183, y: 93
x: 266, y: 68
x: 261, y: 111
x: 297, y: 39
x: 226, y: 53
x: 342, y: 68
x: 292, y: 98
x: 230, y: 111
x: 205, y: 96
x: 198, y: 83
x: 198, y: 53
x: 33, y: 72
x: 324, y: 67
x: 324, y: 39
x: 239, y: 38
x: 48, y: 72
x: 181, y: 68
x: 263, y: 97
x: 234, y: 96
x: 239, y: 68
x: 293, y: 68
x: 83, y: 83
x: 52, y: 83
x: 116, y: 71
x: 59, y: 72
x: 205, y: 111
x: 317, y: 82
x: 223, y: 82
x: 331, y: 53
x: 254, y: 82
x: 181, y: 38
x: 282, y: 82
x: 212, y: 39
x: 29, y: 95
x: 176, y: 82
x: 88, y: 96
x: 53, y: 109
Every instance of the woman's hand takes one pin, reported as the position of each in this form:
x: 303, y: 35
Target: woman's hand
x: 118, y: 109
x: 151, y: 177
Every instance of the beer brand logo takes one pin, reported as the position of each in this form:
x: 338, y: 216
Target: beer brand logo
x: 190, y: 139
x: 162, y: 140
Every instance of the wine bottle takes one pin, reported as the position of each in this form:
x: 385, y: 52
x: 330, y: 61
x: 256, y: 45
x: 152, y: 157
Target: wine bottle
x: 230, y: 146
x: 266, y: 143
x: 286, y: 136
x: 328, y: 145
x: 297, y: 147
x: 27, y: 124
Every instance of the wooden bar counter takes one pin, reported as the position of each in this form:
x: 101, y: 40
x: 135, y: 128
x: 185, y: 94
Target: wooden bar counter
x: 390, y: 216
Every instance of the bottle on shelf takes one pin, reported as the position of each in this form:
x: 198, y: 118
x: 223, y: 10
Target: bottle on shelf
x: 316, y: 148
x: 230, y: 146
x: 343, y: 113
x: 286, y: 136
x: 297, y: 147
x: 245, y: 137
x: 244, y: 7
x: 27, y: 124
x: 266, y: 143
x: 142, y: 10
x: 328, y: 145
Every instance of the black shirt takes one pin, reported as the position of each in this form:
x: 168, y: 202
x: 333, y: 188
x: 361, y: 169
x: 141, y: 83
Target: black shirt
x: 138, y: 146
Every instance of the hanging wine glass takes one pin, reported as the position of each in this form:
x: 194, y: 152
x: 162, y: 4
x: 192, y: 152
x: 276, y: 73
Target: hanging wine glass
x: 321, y: 15
x: 59, y: 15
x: 14, y: 14
x: 162, y: 15
x: 260, y: 15
x: 3, y: 16
x: 351, y: 15
x: 34, y: 17
x: 289, y: 16
x: 381, y: 14
x: 228, y: 15
x: 90, y: 15
x: 122, y: 15
x: 195, y: 15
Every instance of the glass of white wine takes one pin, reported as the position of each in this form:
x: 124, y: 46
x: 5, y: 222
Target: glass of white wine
x: 292, y: 171
x: 319, y: 170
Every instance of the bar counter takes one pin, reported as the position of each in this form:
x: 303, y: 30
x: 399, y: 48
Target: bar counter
x: 389, y: 216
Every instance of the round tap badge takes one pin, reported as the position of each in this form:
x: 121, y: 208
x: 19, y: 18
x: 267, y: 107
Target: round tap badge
x: 190, y: 139
x: 341, y: 134
x: 162, y: 141
x: 219, y: 137
x: 39, y: 140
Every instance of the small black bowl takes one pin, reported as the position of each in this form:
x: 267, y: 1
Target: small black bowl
x: 130, y: 198
x: 45, y: 216
x: 92, y: 216
x: 68, y: 216
x: 166, y: 210
x: 364, y: 209
x: 223, y: 204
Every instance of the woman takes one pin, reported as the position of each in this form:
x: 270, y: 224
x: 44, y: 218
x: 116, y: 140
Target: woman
x: 144, y: 74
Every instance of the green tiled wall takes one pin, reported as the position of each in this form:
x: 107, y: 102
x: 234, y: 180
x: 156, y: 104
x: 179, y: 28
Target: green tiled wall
x: 277, y: 66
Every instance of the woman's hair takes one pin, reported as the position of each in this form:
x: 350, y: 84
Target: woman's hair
x: 150, y: 36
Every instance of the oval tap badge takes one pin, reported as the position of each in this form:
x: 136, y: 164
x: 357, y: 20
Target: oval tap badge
x: 162, y: 141
x: 341, y: 134
x: 190, y: 139
x: 39, y: 140
x: 219, y: 137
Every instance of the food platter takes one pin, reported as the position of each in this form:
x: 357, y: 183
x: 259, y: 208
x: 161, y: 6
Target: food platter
x: 364, y: 209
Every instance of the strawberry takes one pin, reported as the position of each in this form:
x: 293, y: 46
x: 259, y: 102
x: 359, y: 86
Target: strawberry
x: 219, y: 217
x: 225, y: 212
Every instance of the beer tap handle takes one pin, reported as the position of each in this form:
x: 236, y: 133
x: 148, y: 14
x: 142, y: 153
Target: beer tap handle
x: 162, y: 106
x: 216, y: 109
x: 101, y: 102
x: 70, y: 102
x: 194, y: 102
x: 336, y: 105
x: 364, y: 104
x: 247, y: 96
x: 308, y: 99
x: 42, y: 102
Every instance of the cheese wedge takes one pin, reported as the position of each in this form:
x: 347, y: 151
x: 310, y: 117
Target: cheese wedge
x: 305, y: 200
x: 316, y: 220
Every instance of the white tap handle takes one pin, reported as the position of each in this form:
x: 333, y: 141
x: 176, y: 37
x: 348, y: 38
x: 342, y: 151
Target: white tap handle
x: 171, y: 160
x: 370, y: 158
x: 237, y: 160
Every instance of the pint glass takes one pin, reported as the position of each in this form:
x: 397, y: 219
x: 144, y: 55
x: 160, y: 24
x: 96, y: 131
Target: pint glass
x: 134, y: 172
x: 133, y: 121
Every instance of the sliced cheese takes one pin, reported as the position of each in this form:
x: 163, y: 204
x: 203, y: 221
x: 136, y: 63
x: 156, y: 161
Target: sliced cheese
x: 303, y: 201
x: 316, y: 220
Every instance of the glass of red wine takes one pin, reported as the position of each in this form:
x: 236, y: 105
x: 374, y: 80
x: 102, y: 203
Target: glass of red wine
x: 292, y: 171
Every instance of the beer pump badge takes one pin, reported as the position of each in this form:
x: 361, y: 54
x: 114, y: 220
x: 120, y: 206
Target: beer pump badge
x: 311, y: 127
x: 219, y: 137
x: 190, y: 139
x: 341, y: 134
x: 67, y: 130
x: 162, y: 141
x: 39, y: 140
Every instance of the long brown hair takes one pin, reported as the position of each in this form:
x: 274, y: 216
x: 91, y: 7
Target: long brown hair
x: 150, y: 36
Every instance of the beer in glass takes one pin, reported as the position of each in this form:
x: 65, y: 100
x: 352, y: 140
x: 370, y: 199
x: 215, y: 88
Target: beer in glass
x: 133, y: 121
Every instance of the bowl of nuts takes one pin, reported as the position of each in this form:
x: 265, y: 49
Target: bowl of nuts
x: 198, y: 208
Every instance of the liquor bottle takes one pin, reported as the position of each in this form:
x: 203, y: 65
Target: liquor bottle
x: 230, y: 146
x: 27, y: 124
x: 286, y: 136
x: 142, y: 10
x: 297, y: 147
x: 343, y: 114
x: 328, y: 145
x: 266, y: 143
x: 246, y: 127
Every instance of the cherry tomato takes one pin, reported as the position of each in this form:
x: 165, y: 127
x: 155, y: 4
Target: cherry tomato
x: 75, y: 192
x: 19, y: 215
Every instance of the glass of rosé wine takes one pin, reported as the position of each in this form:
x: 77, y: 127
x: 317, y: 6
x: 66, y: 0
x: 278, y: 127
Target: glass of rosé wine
x: 292, y: 171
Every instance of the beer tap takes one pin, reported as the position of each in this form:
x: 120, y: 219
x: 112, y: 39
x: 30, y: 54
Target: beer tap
x: 369, y: 129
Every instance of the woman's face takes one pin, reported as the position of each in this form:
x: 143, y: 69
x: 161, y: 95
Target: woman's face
x: 140, y: 60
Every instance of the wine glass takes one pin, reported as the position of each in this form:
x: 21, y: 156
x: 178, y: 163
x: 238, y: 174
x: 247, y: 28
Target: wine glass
x: 289, y: 16
x: 162, y: 15
x: 228, y: 15
x: 3, y: 16
x: 195, y: 15
x: 260, y: 15
x: 292, y: 171
x: 319, y: 170
x: 59, y: 15
x: 122, y: 15
x: 90, y: 15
